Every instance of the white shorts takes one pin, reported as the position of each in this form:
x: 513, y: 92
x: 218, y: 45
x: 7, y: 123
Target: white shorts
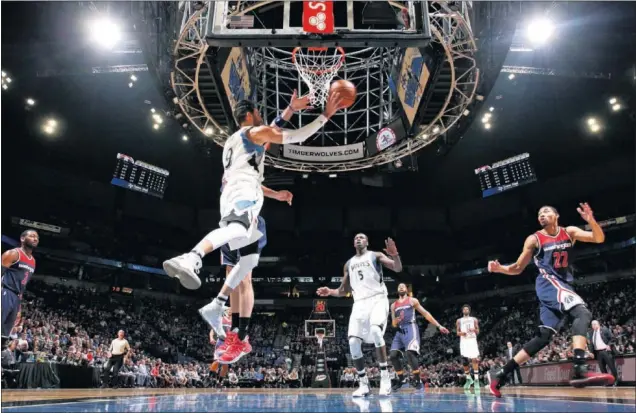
x: 245, y: 203
x: 468, y: 348
x: 367, y: 312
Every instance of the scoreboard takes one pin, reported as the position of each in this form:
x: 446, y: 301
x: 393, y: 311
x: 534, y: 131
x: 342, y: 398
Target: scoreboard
x: 139, y: 176
x: 505, y: 175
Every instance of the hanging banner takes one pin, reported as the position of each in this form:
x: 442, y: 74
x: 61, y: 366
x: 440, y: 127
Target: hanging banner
x: 318, y: 17
x: 324, y: 153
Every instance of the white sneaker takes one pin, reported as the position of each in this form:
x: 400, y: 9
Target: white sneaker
x: 385, y: 383
x: 213, y: 315
x: 363, y: 390
x: 186, y: 269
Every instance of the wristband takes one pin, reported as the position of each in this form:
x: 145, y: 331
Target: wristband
x: 279, y: 121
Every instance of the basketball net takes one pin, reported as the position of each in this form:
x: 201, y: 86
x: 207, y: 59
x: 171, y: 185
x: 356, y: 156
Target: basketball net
x: 317, y: 66
x: 320, y: 337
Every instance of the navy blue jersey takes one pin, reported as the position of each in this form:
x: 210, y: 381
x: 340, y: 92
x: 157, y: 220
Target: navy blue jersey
x: 553, y: 256
x: 16, y: 277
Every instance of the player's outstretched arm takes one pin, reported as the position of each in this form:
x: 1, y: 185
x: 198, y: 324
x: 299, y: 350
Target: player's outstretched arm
x: 428, y: 316
x: 283, y: 196
x: 345, y: 286
x: 268, y: 134
x: 522, y: 262
x: 394, y: 263
x: 596, y: 235
x: 394, y: 320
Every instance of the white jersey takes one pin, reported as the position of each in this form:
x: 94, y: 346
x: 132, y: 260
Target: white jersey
x: 465, y: 324
x: 243, y: 161
x: 365, y: 276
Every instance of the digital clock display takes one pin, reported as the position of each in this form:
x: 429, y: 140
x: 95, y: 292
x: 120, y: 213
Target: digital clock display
x: 139, y: 176
x: 505, y: 175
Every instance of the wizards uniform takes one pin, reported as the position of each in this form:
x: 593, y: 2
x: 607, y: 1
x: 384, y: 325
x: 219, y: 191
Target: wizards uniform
x: 14, y: 281
x: 408, y: 335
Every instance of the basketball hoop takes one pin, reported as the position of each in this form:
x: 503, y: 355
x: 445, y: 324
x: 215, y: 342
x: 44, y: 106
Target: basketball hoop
x: 317, y: 67
x: 320, y: 337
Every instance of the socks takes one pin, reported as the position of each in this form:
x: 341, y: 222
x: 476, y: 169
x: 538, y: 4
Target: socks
x: 244, y: 325
x: 220, y: 300
x: 579, y: 356
x: 509, y: 367
x: 383, y: 366
x: 235, y: 321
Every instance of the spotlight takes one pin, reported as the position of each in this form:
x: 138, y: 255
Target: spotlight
x: 540, y: 30
x: 52, y: 123
x: 133, y: 78
x: 511, y: 76
x: 209, y: 131
x: 333, y: 175
x: 5, y: 86
x: 491, y: 109
x: 612, y: 101
x: 595, y: 127
x: 155, y: 126
x: 157, y: 118
x: 184, y: 138
x: 30, y: 102
x: 152, y: 110
x: 436, y: 129
x: 484, y: 120
x: 8, y: 80
x: 487, y: 125
x: 48, y: 129
x: 4, y: 74
x: 130, y: 84
x: 591, y: 121
x: 616, y: 107
x: 105, y: 32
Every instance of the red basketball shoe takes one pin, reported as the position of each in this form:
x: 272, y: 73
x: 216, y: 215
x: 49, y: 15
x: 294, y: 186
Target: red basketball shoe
x: 582, y: 377
x: 236, y: 350
x: 222, y: 346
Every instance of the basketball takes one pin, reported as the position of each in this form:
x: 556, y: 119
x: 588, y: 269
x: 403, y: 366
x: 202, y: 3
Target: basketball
x: 347, y: 91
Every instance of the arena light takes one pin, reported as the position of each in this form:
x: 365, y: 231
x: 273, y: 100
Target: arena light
x: 4, y: 74
x: 511, y: 76
x: 591, y: 121
x: 491, y: 109
x: 48, y: 129
x: 616, y: 107
x: 133, y: 78
x: 613, y: 101
x: 209, y: 131
x: 484, y: 120
x: 155, y: 126
x: 487, y: 126
x: 152, y: 110
x: 540, y: 30
x: 8, y: 80
x: 436, y: 129
x: 5, y: 86
x: 51, y: 122
x: 595, y: 127
x: 30, y: 102
x: 105, y: 32
x: 130, y: 84
x: 157, y: 118
x: 184, y: 138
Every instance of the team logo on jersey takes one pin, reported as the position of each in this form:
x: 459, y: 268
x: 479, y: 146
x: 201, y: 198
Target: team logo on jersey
x: 385, y: 138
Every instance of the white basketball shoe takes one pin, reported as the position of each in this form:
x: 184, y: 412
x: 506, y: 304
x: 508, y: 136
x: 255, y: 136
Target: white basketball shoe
x: 213, y: 315
x: 186, y: 269
x: 363, y: 390
x: 385, y: 383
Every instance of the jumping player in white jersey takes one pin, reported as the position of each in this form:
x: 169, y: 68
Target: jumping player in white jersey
x: 241, y: 201
x: 363, y: 278
x: 467, y: 330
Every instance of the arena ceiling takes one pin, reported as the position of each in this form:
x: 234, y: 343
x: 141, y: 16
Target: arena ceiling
x: 50, y: 58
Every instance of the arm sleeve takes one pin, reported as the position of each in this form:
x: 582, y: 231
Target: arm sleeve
x: 300, y: 135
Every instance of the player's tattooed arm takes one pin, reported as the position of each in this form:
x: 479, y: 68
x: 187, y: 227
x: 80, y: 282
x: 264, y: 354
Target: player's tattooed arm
x: 596, y: 234
x: 428, y: 316
x: 516, y: 268
x: 345, y: 286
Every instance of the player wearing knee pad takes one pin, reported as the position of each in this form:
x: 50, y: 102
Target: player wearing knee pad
x: 407, y: 336
x: 362, y: 276
x: 551, y: 248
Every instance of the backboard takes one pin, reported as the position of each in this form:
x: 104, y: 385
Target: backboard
x: 290, y: 23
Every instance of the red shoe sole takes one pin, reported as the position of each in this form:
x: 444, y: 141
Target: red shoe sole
x: 601, y: 379
x: 240, y: 356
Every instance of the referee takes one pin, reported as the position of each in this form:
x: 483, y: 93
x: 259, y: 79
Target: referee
x: 118, y: 350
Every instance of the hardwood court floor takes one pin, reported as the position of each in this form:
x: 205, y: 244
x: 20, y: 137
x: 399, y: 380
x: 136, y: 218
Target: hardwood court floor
x: 516, y: 399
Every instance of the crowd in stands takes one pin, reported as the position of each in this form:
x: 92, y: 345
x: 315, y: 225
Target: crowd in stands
x: 170, y: 348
